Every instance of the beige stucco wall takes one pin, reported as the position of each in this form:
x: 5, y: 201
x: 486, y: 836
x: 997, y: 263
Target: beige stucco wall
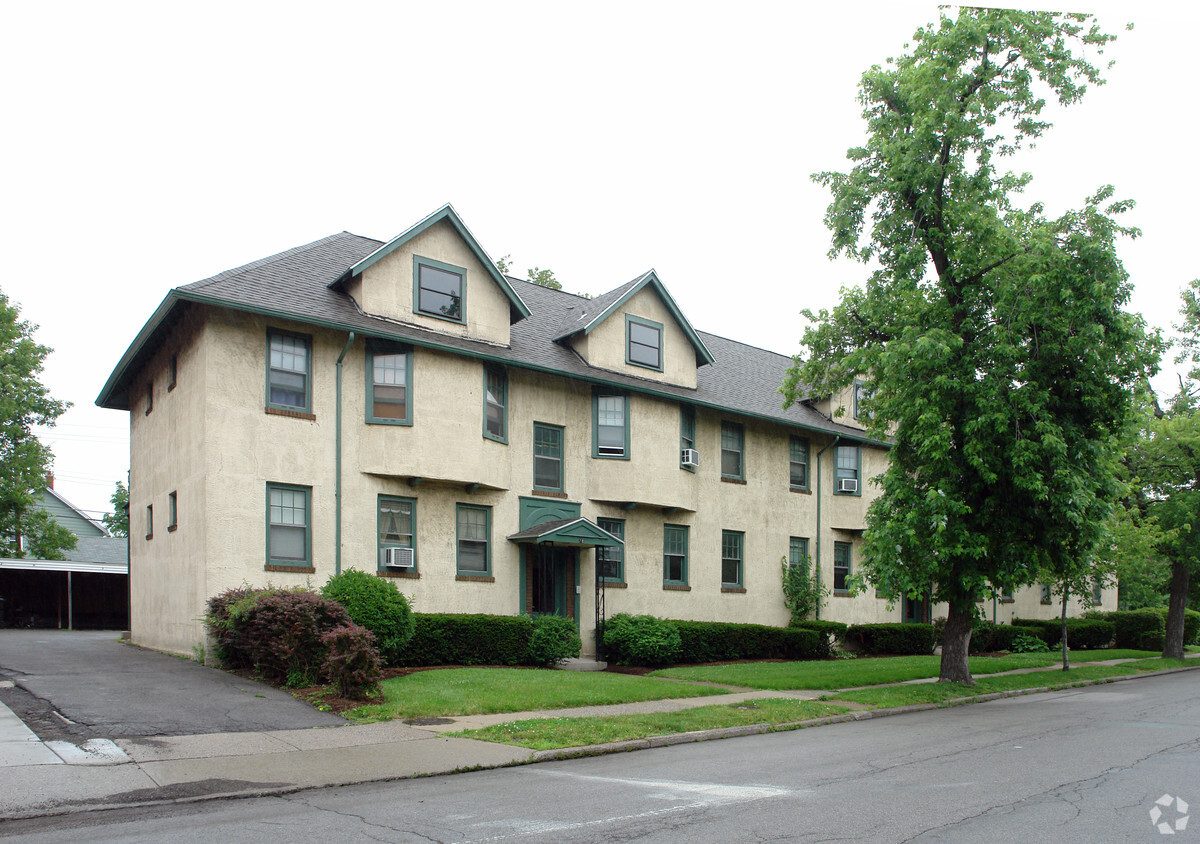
x: 605, y: 346
x: 386, y: 288
x: 168, y: 576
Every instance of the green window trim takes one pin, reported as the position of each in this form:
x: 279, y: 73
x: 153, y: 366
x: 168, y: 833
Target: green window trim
x: 610, y: 407
x: 611, y: 558
x: 687, y: 432
x: 395, y: 527
x: 149, y: 521
x: 675, y: 555
x: 385, y: 366
x: 283, y: 372
x: 842, y: 564
x: 495, y: 403
x: 798, y: 463
x: 286, y: 503
x: 641, y: 336
x: 732, y: 544
x: 473, y: 540
x: 548, y: 474
x: 797, y: 550
x: 455, y: 307
x: 733, y: 453
x: 847, y: 464
x: 172, y: 511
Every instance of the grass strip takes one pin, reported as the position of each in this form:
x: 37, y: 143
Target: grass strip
x: 552, y: 733
x: 889, y: 696
x: 868, y: 671
x: 479, y: 691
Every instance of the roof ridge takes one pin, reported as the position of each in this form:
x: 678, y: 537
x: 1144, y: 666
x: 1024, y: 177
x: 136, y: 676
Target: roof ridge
x: 287, y: 253
x: 746, y: 345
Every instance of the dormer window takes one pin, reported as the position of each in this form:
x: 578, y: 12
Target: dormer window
x: 643, y: 342
x: 438, y: 289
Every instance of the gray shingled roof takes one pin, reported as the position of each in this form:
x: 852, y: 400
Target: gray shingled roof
x: 295, y: 285
x: 110, y: 550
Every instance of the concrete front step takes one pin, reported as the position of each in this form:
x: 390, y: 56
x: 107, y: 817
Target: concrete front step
x: 582, y: 664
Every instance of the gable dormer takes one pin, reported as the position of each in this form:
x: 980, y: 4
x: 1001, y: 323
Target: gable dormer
x: 638, y: 330
x: 437, y: 276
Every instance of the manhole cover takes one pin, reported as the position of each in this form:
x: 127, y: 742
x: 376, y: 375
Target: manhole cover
x: 427, y: 722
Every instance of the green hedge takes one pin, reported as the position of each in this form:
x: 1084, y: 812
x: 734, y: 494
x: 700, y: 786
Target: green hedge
x: 641, y: 640
x: 1139, y: 628
x: 715, y: 641
x: 1091, y: 633
x: 468, y: 639
x: 828, y: 632
x: 894, y: 638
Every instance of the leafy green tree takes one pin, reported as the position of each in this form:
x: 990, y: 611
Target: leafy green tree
x: 24, y: 461
x: 537, y: 275
x: 117, y: 521
x: 993, y: 340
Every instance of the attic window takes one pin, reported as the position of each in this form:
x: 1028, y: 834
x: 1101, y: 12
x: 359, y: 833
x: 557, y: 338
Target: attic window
x: 643, y: 342
x: 439, y: 289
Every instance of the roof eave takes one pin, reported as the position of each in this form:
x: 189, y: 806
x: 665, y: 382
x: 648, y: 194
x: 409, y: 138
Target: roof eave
x: 703, y: 355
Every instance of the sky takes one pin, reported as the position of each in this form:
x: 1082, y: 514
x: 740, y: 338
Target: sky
x: 150, y: 145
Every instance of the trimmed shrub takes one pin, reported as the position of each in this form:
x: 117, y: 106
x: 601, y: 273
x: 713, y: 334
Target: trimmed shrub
x: 352, y: 662
x: 828, y: 633
x: 553, y: 640
x: 715, y: 641
x: 468, y: 639
x: 283, y: 631
x: 1139, y: 628
x: 894, y: 638
x: 229, y: 638
x: 1089, y: 634
x: 376, y: 604
x: 640, y: 640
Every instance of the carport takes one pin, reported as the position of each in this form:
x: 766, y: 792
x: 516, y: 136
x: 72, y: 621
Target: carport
x: 88, y: 592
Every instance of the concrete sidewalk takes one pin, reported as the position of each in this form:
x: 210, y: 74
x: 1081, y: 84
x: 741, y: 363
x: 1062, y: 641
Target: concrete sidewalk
x: 41, y: 778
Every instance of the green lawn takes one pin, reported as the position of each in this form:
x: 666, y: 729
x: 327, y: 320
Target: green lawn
x: 476, y: 691
x: 870, y: 671
x: 547, y: 733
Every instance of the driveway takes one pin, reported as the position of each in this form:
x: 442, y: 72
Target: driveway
x: 86, y: 684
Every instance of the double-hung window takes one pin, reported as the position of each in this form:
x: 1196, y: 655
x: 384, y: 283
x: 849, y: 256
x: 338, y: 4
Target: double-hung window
x: 495, y: 403
x: 610, y: 423
x: 732, y: 457
x: 798, y: 551
x: 675, y: 555
x: 610, y: 559
x: 731, y: 557
x: 289, y: 539
x: 474, y: 540
x: 547, y: 457
x: 289, y: 371
x: 397, y: 521
x: 687, y: 433
x: 847, y: 470
x: 798, y: 472
x: 438, y: 289
x: 389, y: 376
x: 643, y: 342
x: 841, y: 566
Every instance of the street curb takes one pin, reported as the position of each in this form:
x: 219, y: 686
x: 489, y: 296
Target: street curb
x: 599, y: 749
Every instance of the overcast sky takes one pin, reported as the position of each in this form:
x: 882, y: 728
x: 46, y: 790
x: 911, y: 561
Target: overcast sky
x: 149, y: 145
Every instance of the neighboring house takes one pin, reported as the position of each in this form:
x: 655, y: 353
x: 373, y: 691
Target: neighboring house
x: 89, y: 589
x: 492, y: 445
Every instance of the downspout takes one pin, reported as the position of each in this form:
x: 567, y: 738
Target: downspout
x: 817, y: 566
x: 337, y: 495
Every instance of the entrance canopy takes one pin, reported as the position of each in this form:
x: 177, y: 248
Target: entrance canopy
x: 577, y: 532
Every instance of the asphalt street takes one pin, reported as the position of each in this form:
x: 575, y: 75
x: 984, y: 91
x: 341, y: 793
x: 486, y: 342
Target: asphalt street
x: 102, y: 687
x: 1083, y: 765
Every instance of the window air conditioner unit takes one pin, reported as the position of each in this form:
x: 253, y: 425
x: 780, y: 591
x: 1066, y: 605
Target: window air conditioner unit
x: 690, y: 458
x: 848, y: 485
x: 398, y: 558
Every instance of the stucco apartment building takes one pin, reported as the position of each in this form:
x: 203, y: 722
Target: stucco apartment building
x: 492, y: 445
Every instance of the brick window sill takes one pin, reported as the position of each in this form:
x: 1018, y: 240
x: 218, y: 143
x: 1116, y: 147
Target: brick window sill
x: 740, y: 481
x: 291, y: 414
x: 474, y: 578
x: 290, y: 569
x: 801, y: 491
x: 545, y: 493
x: 734, y: 590
x: 843, y: 593
x: 612, y: 584
x: 669, y: 587
x: 410, y: 575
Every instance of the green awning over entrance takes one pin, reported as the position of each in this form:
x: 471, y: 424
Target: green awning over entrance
x: 576, y: 532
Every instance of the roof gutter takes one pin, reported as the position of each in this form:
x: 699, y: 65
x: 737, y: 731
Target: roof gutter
x: 820, y: 474
x: 337, y: 495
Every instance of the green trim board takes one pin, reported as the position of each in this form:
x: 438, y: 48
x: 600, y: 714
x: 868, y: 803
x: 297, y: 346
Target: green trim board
x: 287, y: 351
x: 608, y: 406
x: 495, y: 394
x: 389, y: 385
x: 798, y: 460
x: 285, y: 508
x: 611, y: 557
x: 840, y: 472
x: 517, y: 308
x: 687, y: 433
x: 732, y: 556
x: 116, y: 387
x: 467, y: 520
x: 456, y: 310
x: 733, y: 441
x: 548, y: 457
x: 650, y: 278
x: 842, y: 559
x: 577, y: 532
x: 638, y: 341
x: 535, y: 511
x: 390, y: 534
x: 675, y: 545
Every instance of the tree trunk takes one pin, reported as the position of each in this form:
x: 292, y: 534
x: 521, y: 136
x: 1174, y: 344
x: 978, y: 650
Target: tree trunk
x: 956, y: 644
x: 1065, y: 649
x: 1180, y: 577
